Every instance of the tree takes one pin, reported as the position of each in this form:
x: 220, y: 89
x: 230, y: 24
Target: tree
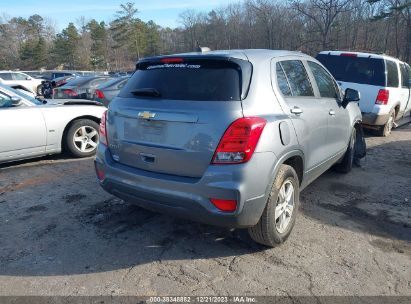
x: 126, y: 29
x: 323, y: 13
x: 65, y: 46
x: 98, y: 35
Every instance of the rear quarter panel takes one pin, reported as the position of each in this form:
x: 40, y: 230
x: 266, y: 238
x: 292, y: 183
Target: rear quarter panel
x: 57, y: 118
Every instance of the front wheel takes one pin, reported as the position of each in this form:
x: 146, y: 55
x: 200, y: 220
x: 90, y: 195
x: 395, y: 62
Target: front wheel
x: 279, y: 215
x: 82, y: 138
x: 346, y: 164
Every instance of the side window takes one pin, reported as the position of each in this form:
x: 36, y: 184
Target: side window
x: 98, y: 81
x: 19, y: 76
x: 405, y: 76
x: 5, y: 101
x: 325, y: 82
x: 6, y: 76
x: 282, y: 81
x: 297, y: 77
x: 122, y: 84
x: 392, y: 74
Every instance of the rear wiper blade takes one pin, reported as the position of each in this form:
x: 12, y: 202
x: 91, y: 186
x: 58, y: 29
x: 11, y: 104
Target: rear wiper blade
x: 146, y: 92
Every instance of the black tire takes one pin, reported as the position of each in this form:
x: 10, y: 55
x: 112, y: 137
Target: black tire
x: 266, y: 231
x: 346, y: 164
x: 90, y: 138
x: 386, y: 129
x: 39, y: 90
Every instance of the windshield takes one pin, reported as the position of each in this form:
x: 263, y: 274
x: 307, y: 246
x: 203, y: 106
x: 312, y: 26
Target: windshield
x: 25, y: 96
x: 355, y: 69
x: 190, y: 79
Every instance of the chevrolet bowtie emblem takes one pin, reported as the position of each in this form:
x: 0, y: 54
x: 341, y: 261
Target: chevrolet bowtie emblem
x: 146, y: 115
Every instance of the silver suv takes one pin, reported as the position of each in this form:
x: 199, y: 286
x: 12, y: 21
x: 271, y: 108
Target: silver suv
x: 227, y: 137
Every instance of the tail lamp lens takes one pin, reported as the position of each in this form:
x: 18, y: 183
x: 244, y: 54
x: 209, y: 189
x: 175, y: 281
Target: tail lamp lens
x: 239, y: 141
x: 99, y: 94
x: 382, y: 97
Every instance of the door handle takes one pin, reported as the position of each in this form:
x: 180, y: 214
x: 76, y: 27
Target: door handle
x: 332, y: 112
x: 296, y: 111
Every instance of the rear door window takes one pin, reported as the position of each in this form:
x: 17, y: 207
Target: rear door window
x: 191, y: 79
x: 282, y: 81
x: 325, y: 82
x: 355, y: 69
x: 297, y: 78
x: 405, y: 77
x: 392, y: 74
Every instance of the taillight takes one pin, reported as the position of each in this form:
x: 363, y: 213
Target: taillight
x: 239, y: 141
x: 224, y: 205
x: 99, y: 94
x: 382, y: 97
x: 70, y: 92
x: 103, y: 129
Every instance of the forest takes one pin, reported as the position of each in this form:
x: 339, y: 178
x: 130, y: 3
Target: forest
x: 380, y: 26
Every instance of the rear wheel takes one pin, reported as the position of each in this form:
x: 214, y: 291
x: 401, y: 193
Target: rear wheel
x: 82, y: 138
x: 279, y: 215
x: 387, y: 128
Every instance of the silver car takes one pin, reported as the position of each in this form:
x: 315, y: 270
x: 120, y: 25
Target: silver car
x: 31, y: 128
x: 227, y: 137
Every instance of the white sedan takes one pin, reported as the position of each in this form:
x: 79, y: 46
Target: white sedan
x: 31, y: 128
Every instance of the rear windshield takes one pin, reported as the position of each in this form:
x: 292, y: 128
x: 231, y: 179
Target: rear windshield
x: 112, y: 82
x: 192, y: 79
x: 81, y: 81
x: 355, y: 69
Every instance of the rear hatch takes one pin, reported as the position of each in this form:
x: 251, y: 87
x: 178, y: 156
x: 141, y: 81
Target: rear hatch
x: 172, y: 113
x: 363, y: 74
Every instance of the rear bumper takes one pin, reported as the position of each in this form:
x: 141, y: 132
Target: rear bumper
x: 190, y: 197
x: 373, y: 119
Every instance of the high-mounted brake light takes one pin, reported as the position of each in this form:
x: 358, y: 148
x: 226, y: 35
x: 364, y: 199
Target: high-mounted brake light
x: 103, y: 129
x: 224, y: 205
x: 382, y: 97
x: 239, y: 141
x: 348, y: 54
x: 172, y: 60
x: 99, y: 94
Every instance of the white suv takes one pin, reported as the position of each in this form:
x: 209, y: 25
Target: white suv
x: 383, y: 81
x: 20, y: 80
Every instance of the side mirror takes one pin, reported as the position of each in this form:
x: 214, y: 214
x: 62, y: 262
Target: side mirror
x: 28, y: 78
x: 15, y: 101
x: 350, y: 96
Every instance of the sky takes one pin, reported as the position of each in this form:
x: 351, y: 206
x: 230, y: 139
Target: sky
x: 163, y: 12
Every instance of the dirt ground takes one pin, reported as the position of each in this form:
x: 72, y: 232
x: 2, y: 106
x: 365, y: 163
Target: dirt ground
x: 60, y: 234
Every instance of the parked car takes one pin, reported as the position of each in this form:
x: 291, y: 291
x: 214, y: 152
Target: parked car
x: 80, y: 87
x: 20, y: 80
x: 383, y: 81
x: 50, y: 75
x: 227, y: 138
x: 107, y: 91
x: 32, y: 128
